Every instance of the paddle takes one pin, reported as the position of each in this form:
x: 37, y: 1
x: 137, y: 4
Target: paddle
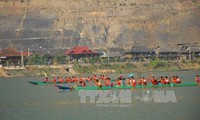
x: 131, y: 75
x: 124, y: 78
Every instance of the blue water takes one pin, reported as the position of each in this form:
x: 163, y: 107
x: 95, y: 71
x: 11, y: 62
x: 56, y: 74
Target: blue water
x: 20, y: 100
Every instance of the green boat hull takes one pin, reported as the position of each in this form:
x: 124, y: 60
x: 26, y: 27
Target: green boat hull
x: 136, y: 87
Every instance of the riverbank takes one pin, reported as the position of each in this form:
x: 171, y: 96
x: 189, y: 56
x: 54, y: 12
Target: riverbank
x: 33, y: 71
x: 149, y: 66
x: 104, y: 68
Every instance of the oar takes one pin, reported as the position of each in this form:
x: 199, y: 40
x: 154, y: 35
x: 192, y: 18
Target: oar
x: 131, y: 75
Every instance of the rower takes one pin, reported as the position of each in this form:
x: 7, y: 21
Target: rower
x: 178, y: 81
x: 174, y: 79
x: 129, y: 81
x: 72, y: 79
x: 88, y: 79
x: 69, y: 80
x: 197, y: 79
x: 75, y: 79
x: 46, y: 79
x: 107, y: 82
x: 121, y: 81
x: 166, y: 80
x: 61, y: 80
x: 98, y: 83
x: 139, y: 82
x: 83, y: 84
x: 102, y: 77
x: 81, y: 79
x: 134, y: 83
x: 154, y: 81
x: 94, y: 77
x: 144, y: 81
x: 162, y: 80
x: 66, y: 79
x: 54, y: 80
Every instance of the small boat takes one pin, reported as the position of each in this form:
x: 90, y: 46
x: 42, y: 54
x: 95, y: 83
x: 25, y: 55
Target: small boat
x: 64, y: 88
x: 77, y: 88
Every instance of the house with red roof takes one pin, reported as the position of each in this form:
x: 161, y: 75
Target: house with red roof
x: 80, y: 52
x: 11, y: 56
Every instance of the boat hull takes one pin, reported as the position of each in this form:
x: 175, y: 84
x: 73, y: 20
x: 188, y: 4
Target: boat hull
x: 136, y: 87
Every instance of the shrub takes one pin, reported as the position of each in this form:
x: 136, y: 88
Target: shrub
x: 157, y: 63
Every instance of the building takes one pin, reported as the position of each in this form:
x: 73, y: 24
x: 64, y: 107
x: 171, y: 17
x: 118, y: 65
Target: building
x: 80, y: 52
x: 190, y: 53
x: 140, y: 53
x: 12, y: 57
x: 112, y: 53
x: 168, y: 52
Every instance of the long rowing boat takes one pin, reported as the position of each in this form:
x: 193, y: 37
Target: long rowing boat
x: 45, y: 83
x: 77, y: 88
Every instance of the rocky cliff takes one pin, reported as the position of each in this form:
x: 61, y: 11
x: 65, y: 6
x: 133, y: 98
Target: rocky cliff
x: 98, y: 23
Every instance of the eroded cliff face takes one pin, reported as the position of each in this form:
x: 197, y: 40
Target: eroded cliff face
x: 98, y: 23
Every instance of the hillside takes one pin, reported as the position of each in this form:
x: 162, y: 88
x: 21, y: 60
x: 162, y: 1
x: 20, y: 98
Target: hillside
x: 98, y: 23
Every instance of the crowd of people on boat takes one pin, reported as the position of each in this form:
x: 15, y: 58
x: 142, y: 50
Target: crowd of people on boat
x: 144, y: 81
x: 104, y: 80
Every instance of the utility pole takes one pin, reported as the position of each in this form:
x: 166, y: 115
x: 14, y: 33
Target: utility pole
x: 189, y: 50
x: 22, y: 59
x: 108, y: 54
x: 28, y: 52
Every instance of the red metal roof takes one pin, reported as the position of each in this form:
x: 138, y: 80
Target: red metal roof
x: 11, y: 52
x: 80, y: 50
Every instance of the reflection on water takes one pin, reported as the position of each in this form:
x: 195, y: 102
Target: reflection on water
x: 21, y: 100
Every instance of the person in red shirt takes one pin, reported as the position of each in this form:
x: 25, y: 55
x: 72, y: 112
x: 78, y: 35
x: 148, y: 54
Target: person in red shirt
x: 67, y: 79
x: 139, y: 81
x: 119, y: 81
x: 107, y: 82
x: 61, y: 80
x: 167, y: 81
x: 162, y: 80
x: 54, y: 80
x: 128, y: 81
x: 178, y: 80
x: 46, y: 79
x: 197, y: 79
x: 154, y: 81
x: 98, y: 83
x: 134, y: 82
x: 83, y: 84
x: 144, y: 81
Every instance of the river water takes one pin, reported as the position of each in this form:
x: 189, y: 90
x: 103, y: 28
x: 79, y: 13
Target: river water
x: 20, y: 100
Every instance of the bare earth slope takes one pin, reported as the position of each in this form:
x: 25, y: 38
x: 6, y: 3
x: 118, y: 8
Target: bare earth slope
x: 98, y: 23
